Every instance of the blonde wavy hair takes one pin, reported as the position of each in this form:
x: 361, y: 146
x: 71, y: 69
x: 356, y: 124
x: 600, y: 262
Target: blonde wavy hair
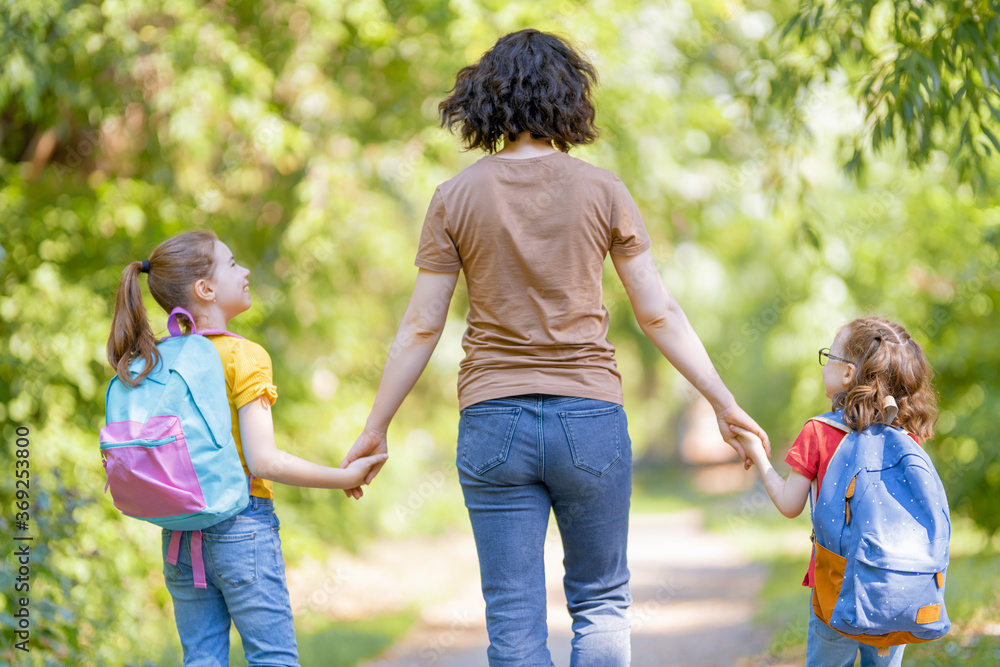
x: 888, y: 362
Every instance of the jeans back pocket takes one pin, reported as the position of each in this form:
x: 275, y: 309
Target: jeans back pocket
x: 234, y: 557
x: 593, y: 436
x: 484, y: 436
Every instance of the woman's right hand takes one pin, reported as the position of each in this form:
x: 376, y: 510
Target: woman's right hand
x: 359, y: 469
x: 369, y: 442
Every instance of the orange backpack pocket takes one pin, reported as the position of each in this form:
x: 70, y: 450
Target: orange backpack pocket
x: 829, y: 580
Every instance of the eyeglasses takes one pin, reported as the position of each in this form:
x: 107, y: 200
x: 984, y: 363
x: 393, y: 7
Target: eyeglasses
x: 824, y: 354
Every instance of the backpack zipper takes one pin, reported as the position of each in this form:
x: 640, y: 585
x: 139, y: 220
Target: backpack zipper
x: 140, y: 443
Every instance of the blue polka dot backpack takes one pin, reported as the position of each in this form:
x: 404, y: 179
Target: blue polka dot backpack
x: 882, y: 528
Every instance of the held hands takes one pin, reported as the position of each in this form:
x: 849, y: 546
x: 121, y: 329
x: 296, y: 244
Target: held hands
x: 734, y: 416
x: 751, y: 444
x: 369, y: 444
x: 359, y: 469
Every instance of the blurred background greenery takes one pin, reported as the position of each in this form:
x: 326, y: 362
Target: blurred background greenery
x: 796, y: 166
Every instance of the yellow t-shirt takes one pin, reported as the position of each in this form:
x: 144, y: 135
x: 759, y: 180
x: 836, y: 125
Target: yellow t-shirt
x: 248, y: 376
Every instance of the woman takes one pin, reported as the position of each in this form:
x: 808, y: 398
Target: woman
x: 542, y: 425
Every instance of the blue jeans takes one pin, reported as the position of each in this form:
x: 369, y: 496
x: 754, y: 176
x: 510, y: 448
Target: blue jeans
x: 245, y: 573
x: 825, y: 647
x: 519, y: 457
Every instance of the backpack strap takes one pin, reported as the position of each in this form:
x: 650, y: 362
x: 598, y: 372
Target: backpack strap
x: 197, y: 559
x: 889, y: 410
x: 833, y: 419
x: 219, y: 332
x: 175, y: 546
x: 813, y: 491
x: 174, y: 327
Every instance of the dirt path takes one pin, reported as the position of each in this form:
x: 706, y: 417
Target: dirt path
x: 693, y: 597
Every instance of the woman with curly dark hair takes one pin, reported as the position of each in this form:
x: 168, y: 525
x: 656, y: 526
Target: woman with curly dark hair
x: 542, y: 426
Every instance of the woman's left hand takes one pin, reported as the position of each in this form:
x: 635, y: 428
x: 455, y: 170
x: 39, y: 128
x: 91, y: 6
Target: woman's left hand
x: 735, y: 416
x: 369, y: 442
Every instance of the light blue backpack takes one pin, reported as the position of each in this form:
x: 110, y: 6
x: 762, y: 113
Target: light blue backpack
x: 882, y: 530
x: 168, y: 446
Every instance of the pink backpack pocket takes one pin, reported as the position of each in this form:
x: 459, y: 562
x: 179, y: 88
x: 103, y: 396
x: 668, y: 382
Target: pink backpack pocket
x: 149, y: 468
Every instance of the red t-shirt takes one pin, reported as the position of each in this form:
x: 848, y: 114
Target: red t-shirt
x: 809, y: 456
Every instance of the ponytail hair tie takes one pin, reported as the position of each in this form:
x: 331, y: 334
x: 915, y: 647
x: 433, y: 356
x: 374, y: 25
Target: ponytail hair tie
x: 145, y: 266
x: 889, y: 410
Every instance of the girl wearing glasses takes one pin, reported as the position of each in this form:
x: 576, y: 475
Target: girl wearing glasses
x: 872, y: 367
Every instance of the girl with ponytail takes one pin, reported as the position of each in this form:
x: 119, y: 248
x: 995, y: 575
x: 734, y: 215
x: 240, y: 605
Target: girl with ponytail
x: 244, y: 567
x: 173, y: 269
x: 876, y: 374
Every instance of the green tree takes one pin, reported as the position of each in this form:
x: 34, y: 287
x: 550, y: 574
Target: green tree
x: 305, y: 134
x: 925, y: 73
x: 926, y: 78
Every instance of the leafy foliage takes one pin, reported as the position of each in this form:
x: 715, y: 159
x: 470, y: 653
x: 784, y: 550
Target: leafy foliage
x: 923, y: 70
x: 305, y: 134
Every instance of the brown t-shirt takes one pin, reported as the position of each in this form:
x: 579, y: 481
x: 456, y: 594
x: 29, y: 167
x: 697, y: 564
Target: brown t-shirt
x: 531, y: 236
